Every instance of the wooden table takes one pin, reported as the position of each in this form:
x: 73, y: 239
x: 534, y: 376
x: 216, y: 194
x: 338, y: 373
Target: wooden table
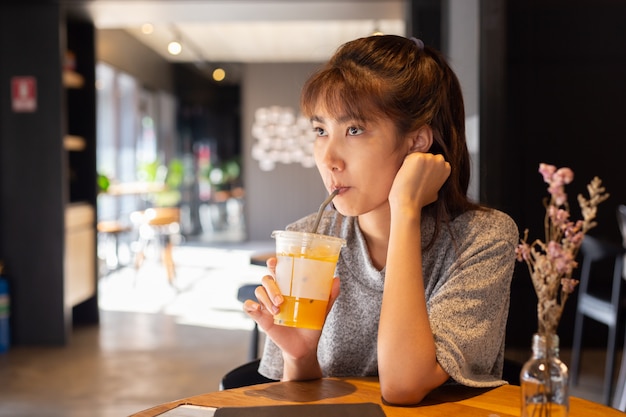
x: 445, y: 401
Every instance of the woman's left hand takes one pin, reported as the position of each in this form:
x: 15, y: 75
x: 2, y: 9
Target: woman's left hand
x: 297, y: 345
x: 418, y: 181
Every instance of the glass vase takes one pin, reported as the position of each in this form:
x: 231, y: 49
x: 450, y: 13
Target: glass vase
x: 544, y: 380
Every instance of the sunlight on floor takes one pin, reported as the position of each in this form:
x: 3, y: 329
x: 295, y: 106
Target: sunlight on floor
x: 204, y: 291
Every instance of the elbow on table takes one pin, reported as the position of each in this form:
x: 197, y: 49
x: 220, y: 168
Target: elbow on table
x: 402, y: 394
x: 412, y: 387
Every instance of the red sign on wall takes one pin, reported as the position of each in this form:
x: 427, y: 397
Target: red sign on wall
x: 24, y: 94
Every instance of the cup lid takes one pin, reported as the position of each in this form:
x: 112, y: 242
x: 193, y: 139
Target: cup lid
x: 293, y: 234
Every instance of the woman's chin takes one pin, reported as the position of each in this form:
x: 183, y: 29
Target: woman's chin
x: 346, y: 211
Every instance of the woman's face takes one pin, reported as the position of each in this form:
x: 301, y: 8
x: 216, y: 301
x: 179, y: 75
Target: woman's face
x: 359, y: 157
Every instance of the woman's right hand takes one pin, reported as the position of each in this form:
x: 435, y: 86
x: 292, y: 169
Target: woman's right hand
x: 296, y: 344
x: 418, y: 181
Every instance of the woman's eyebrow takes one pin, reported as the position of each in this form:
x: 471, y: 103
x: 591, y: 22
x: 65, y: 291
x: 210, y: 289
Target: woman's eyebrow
x: 346, y: 118
x: 341, y: 119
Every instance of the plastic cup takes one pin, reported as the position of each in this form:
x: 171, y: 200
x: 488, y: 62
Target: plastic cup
x: 304, y: 273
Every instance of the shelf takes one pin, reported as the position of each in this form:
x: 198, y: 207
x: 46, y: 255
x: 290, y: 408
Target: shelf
x: 73, y: 143
x: 79, y: 259
x: 135, y: 188
x: 72, y: 79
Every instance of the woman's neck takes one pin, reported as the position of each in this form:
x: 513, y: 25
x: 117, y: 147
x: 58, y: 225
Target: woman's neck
x: 375, y: 228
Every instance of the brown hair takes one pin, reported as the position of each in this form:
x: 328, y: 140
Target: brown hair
x: 396, y: 77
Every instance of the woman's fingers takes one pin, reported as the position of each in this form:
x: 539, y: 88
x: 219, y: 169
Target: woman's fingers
x: 259, y: 314
x: 272, y: 290
x: 263, y: 309
x: 263, y: 298
x: 271, y: 265
x: 268, y: 297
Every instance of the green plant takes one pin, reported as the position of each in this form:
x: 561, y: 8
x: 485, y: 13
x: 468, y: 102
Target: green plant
x: 171, y: 176
x: 223, y: 175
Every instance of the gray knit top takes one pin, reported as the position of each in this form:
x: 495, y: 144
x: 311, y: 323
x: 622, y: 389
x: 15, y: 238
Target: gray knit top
x: 467, y: 278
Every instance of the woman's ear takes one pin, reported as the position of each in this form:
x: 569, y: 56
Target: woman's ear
x: 421, y: 139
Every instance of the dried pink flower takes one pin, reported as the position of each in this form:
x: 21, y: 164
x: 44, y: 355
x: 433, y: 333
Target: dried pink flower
x: 522, y: 252
x: 547, y: 171
x: 558, y: 216
x: 563, y: 176
x: 556, y: 180
x: 551, y: 263
x: 569, y: 285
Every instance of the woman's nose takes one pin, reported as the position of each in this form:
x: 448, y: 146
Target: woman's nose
x: 329, y: 155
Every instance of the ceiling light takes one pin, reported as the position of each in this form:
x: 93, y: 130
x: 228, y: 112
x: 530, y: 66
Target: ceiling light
x: 174, y: 48
x: 147, y: 28
x: 219, y: 74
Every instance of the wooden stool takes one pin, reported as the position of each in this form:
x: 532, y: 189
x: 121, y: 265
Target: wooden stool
x: 157, y: 224
x: 112, y: 229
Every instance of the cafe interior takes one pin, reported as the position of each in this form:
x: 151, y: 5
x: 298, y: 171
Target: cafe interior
x: 139, y: 186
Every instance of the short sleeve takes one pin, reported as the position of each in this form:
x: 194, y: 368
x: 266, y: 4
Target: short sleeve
x: 468, y: 309
x: 271, y: 365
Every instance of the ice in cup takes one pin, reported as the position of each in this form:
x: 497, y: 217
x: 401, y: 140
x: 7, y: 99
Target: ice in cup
x: 304, y: 273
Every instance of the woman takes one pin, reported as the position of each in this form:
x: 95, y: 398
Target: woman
x: 422, y: 293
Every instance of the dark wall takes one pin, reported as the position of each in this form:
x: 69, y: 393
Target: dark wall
x: 32, y: 169
x: 554, y: 91
x: 38, y: 176
x: 424, y: 21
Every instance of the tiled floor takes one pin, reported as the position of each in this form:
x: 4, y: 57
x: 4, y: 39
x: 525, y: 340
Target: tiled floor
x: 156, y: 343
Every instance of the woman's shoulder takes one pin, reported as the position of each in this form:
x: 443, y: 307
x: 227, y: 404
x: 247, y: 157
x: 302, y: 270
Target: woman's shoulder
x: 488, y: 221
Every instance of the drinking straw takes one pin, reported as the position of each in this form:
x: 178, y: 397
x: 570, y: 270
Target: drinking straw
x: 321, y: 209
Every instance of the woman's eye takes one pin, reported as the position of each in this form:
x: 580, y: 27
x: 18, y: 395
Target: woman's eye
x: 319, y: 131
x: 354, y: 131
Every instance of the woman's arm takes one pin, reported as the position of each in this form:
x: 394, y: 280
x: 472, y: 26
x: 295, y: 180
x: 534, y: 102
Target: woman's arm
x: 407, y: 362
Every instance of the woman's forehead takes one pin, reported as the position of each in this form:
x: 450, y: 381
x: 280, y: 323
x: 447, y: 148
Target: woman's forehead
x: 339, y: 110
x: 323, y: 113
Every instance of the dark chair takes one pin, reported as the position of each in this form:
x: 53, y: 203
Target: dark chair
x: 603, y: 308
x: 619, y: 399
x: 244, y: 375
x: 246, y: 292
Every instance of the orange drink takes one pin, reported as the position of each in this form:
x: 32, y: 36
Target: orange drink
x: 304, y: 273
